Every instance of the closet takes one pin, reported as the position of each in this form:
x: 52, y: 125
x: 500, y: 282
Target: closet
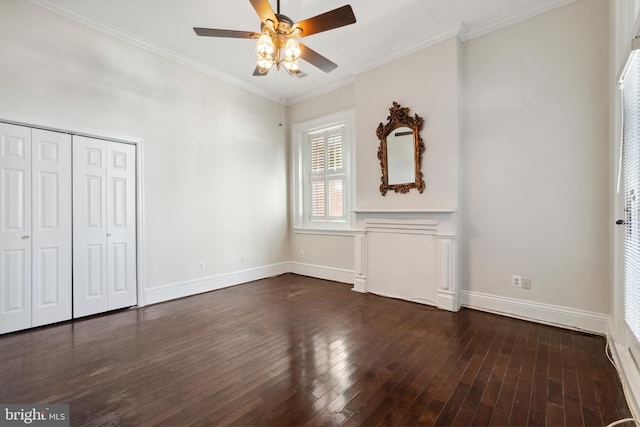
x: 67, y: 226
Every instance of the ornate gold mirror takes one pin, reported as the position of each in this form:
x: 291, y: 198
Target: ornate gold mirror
x: 400, y: 151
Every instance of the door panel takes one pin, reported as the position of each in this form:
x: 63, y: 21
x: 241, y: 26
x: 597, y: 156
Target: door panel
x: 14, y: 186
x: 104, y: 226
x: 14, y: 267
x: 95, y: 271
x: 121, y: 199
x: 52, y: 253
x: 119, y: 267
x: 95, y: 199
x: 89, y: 227
x: 48, y: 293
x: 15, y: 227
x: 49, y: 201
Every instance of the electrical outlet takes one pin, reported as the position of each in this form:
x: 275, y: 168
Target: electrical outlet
x: 201, y: 265
x: 516, y: 281
x: 526, y: 282
x: 301, y: 254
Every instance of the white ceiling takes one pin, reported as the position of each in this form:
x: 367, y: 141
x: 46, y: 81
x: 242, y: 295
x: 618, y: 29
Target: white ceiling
x: 384, y: 31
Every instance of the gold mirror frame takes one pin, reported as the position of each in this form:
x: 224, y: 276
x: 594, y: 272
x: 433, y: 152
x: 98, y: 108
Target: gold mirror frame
x: 399, y: 117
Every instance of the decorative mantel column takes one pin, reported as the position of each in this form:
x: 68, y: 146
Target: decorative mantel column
x: 408, y: 254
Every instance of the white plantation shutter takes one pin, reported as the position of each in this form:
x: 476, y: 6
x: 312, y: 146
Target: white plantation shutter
x: 631, y: 174
x: 327, y: 174
x: 334, y: 150
x: 336, y: 196
x: 317, y: 198
x: 317, y: 154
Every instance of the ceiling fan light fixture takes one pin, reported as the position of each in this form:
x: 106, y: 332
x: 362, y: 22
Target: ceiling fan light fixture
x: 264, y: 63
x: 264, y: 46
x: 291, y: 65
x: 292, y: 50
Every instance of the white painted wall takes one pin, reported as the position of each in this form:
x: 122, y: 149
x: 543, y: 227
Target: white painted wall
x: 324, y: 105
x: 534, y: 171
x: 214, y: 155
x: 427, y: 83
x: 329, y: 250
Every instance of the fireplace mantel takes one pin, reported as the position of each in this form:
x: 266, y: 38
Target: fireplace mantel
x: 407, y: 254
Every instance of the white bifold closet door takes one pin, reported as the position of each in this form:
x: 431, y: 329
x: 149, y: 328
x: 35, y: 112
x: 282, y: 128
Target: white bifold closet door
x: 51, y: 207
x: 104, y: 226
x: 35, y: 227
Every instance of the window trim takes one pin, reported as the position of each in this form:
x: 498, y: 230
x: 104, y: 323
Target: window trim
x: 299, y: 205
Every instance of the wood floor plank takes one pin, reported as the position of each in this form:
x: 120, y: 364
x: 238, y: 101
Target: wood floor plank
x: 504, y: 403
x: 293, y: 350
x: 554, y: 415
x: 540, y: 385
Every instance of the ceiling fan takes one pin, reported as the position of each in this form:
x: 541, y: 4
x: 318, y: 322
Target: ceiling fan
x: 277, y: 42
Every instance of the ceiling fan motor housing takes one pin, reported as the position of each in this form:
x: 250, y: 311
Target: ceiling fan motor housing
x: 282, y: 33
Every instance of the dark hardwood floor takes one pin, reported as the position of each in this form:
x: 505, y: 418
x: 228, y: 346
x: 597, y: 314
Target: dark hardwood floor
x: 293, y: 350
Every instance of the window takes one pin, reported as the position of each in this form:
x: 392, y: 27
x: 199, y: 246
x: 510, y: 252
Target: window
x: 322, y: 166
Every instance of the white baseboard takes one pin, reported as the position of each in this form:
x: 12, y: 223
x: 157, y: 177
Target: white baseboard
x: 322, y: 272
x: 538, y: 312
x: 211, y: 283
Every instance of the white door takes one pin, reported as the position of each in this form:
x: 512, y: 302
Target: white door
x: 104, y: 254
x: 15, y: 227
x: 51, y: 247
x: 631, y: 207
x: 89, y: 226
x: 121, y: 225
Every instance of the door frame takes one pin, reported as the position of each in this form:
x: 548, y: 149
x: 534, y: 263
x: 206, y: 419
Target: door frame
x: 109, y: 136
x: 622, y: 343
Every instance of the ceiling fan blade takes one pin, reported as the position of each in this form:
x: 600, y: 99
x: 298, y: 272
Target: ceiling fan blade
x: 263, y: 8
x: 212, y: 32
x: 258, y: 72
x: 314, y: 58
x: 327, y: 21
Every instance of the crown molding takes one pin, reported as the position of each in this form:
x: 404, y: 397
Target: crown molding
x: 535, y: 9
x: 142, y: 43
x: 445, y: 35
x: 465, y: 32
